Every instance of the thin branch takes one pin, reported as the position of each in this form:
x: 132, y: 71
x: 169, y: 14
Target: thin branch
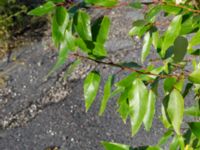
x: 124, y: 67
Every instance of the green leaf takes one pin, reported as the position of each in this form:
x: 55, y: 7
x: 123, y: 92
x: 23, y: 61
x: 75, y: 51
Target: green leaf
x: 155, y: 39
x: 148, y: 118
x: 91, y: 86
x: 43, y: 9
x: 146, y: 46
x: 82, y: 25
x: 61, y: 15
x: 154, y: 148
x: 127, y: 81
x: 175, y: 109
x: 180, y: 48
x: 99, y: 51
x: 58, y: 29
x: 192, y: 111
x: 123, y: 105
x: 171, y: 9
x: 187, y: 89
x: 100, y: 30
x: 82, y: 45
x: 136, y: 5
x: 195, y: 128
x: 174, y: 144
x: 164, y: 118
x: 169, y: 84
x: 153, y: 12
x: 165, y: 137
x: 107, y: 3
x: 115, y: 146
x: 138, y: 99
x: 56, y: 33
x: 118, y: 90
x: 106, y: 96
x: 171, y: 34
x: 194, y: 76
x: 195, y: 40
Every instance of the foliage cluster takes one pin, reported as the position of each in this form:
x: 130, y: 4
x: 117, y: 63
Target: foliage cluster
x: 72, y: 31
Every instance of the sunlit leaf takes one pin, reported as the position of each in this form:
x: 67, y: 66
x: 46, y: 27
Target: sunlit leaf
x: 82, y: 24
x: 115, y: 146
x: 146, y: 46
x: 195, y: 76
x: 123, y: 105
x: 195, y: 40
x: 165, y: 137
x: 107, y: 3
x: 175, y: 109
x: 148, y: 118
x: 100, y: 30
x: 195, y: 127
x: 91, y: 86
x: 192, y: 111
x: 153, y: 12
x: 138, y: 99
x: 106, y: 96
x: 43, y: 9
x: 171, y: 33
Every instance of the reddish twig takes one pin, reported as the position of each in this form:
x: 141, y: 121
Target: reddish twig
x: 125, y: 67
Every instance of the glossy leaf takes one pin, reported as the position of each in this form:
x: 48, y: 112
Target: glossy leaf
x: 164, y: 117
x: 100, y: 30
x: 169, y: 84
x: 91, y: 86
x: 146, y: 46
x: 106, y: 96
x: 192, y: 111
x: 82, y: 24
x: 107, y: 3
x: 180, y: 48
x: 61, y: 15
x: 123, y: 105
x: 175, y: 109
x: 174, y: 144
x: 171, y: 9
x: 138, y: 99
x: 155, y: 39
x: 136, y: 5
x: 194, y: 77
x: 99, y: 51
x: 153, y: 12
x: 127, y: 81
x: 82, y: 45
x: 148, y: 118
x: 115, y: 146
x: 195, y: 128
x: 171, y: 34
x: 43, y: 9
x: 195, y: 40
x: 165, y: 137
x: 58, y: 29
